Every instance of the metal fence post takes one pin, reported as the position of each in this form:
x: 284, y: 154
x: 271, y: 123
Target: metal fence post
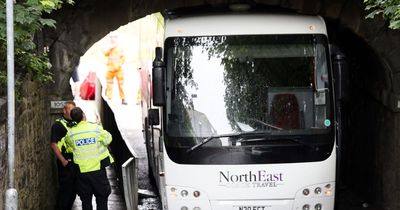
x: 11, y: 197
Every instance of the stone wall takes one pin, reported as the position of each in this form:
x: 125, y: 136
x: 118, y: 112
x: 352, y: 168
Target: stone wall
x: 35, y: 169
x: 3, y: 148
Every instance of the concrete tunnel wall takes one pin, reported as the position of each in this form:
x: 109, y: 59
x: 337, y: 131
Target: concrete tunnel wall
x: 373, y: 137
x: 370, y: 127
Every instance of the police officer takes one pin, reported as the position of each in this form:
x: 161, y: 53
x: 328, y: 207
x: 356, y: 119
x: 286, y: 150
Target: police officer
x: 66, y: 171
x: 89, y: 143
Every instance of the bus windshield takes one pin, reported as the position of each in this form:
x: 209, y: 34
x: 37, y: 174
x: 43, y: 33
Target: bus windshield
x: 248, y: 99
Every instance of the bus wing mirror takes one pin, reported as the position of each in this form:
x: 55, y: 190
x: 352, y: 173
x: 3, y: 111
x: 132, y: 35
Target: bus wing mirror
x: 158, y: 79
x: 340, y: 72
x: 153, y: 117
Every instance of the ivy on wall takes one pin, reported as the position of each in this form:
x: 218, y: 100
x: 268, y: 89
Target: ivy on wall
x: 389, y: 9
x: 28, y: 19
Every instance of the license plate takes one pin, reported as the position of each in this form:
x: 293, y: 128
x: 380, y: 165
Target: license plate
x: 250, y: 207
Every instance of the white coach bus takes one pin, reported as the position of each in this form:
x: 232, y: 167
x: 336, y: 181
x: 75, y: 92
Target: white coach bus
x: 242, y: 114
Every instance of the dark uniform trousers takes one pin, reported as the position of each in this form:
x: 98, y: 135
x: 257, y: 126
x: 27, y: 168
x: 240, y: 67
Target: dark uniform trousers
x: 94, y: 183
x: 67, y: 183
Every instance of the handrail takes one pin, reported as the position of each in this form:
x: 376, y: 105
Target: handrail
x: 130, y: 181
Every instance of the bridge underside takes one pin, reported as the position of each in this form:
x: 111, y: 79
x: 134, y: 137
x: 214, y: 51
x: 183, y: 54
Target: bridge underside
x: 369, y: 163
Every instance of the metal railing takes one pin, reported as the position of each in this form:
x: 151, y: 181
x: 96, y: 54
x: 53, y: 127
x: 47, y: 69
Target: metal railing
x: 98, y: 101
x: 130, y: 180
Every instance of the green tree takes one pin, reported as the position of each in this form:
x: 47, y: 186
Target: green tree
x: 28, y: 19
x: 389, y: 9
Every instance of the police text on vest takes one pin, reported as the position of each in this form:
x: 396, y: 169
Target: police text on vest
x: 83, y: 142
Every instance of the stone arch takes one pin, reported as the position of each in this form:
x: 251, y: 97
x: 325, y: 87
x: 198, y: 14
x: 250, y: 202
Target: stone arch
x: 80, y: 26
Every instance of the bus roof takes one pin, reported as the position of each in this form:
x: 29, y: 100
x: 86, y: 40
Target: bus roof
x: 244, y: 24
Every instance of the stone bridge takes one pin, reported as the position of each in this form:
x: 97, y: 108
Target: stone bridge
x: 371, y: 147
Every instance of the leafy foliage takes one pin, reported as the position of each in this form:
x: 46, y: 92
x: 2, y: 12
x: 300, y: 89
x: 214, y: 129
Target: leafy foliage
x: 389, y: 9
x: 28, y: 19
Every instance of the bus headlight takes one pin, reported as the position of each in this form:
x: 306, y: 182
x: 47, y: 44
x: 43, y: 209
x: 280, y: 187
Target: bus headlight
x: 196, y: 194
x: 184, y: 193
x: 306, y: 192
x: 186, y: 198
x: 173, y: 192
x: 315, y: 197
x: 328, y: 192
x: 318, y: 190
x: 318, y: 206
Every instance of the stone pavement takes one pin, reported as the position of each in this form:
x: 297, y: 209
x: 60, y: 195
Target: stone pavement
x: 115, y: 200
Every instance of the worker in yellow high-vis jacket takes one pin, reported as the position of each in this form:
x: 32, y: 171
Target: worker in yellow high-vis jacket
x: 89, y: 143
x: 66, y: 172
x: 115, y: 60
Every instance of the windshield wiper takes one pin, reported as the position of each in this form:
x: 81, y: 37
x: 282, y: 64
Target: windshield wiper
x: 209, y: 139
x: 266, y: 124
x: 291, y: 139
x: 241, y: 134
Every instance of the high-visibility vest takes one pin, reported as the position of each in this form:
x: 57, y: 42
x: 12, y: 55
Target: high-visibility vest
x: 89, y: 142
x: 61, y: 142
x: 115, y: 58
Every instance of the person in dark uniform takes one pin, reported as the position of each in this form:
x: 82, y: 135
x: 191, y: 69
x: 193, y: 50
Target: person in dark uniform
x: 66, y: 169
